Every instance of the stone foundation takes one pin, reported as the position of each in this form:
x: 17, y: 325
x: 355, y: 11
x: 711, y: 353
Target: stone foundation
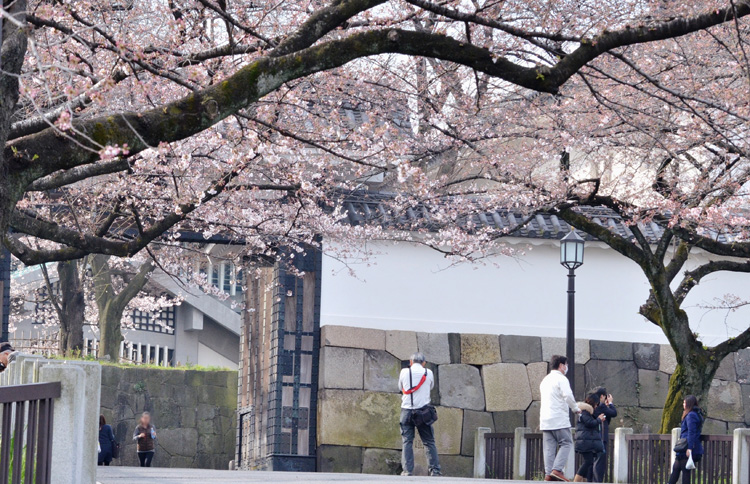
x: 487, y: 381
x: 194, y: 413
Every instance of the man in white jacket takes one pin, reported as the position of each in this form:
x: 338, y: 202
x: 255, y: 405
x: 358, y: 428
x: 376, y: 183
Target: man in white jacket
x: 554, y: 419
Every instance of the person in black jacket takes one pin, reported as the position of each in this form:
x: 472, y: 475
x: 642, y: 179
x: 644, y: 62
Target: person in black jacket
x: 607, y: 408
x: 690, y: 429
x: 588, y: 437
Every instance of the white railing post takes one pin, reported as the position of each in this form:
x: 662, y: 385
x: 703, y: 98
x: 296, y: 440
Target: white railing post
x: 675, y: 437
x: 570, y: 467
x: 620, y: 468
x: 156, y: 355
x: 147, y: 360
x: 480, y: 452
x: 138, y: 358
x: 519, y: 453
x: 741, y: 456
x: 166, y: 355
x: 122, y: 349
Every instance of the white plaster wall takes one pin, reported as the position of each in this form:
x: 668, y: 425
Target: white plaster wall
x: 411, y: 287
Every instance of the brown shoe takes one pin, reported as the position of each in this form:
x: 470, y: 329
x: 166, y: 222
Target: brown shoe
x: 547, y: 478
x: 558, y: 476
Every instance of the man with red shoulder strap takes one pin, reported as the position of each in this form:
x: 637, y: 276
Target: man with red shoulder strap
x: 415, y: 384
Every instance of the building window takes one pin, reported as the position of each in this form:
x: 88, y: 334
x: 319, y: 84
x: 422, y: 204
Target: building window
x: 162, y: 323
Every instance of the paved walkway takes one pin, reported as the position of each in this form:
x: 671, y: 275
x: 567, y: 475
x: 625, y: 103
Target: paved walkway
x: 137, y: 475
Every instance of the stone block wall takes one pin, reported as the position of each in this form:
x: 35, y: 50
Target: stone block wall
x: 487, y: 381
x: 194, y: 413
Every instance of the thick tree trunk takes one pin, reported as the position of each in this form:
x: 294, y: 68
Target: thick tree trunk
x: 111, y: 304
x: 692, y: 379
x: 72, y: 306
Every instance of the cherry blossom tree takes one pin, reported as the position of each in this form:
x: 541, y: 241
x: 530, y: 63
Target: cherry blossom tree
x: 128, y: 123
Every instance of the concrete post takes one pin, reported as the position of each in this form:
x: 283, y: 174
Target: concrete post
x: 91, y: 410
x: 675, y: 437
x: 519, y: 453
x: 741, y: 456
x: 570, y: 467
x: 480, y: 452
x: 68, y: 433
x: 620, y: 474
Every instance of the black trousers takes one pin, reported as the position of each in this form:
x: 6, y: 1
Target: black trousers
x: 679, y: 469
x: 145, y: 458
x: 599, y: 468
x: 587, y: 465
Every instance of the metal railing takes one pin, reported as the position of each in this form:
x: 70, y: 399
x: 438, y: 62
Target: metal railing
x: 26, y: 438
x: 499, y: 455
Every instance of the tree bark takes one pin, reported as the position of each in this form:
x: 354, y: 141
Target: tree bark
x: 72, y: 306
x: 111, y: 305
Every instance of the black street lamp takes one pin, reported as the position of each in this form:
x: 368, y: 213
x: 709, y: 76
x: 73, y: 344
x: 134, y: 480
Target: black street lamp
x: 571, y: 257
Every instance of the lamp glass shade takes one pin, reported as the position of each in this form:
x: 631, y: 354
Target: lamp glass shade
x: 571, y: 251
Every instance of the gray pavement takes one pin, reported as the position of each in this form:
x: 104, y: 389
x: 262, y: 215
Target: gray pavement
x: 137, y: 475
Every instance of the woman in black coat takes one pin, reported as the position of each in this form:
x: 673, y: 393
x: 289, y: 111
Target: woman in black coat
x: 106, y: 442
x: 588, y: 437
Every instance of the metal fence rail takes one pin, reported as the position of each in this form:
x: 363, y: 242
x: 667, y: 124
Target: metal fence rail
x: 26, y: 438
x: 499, y: 455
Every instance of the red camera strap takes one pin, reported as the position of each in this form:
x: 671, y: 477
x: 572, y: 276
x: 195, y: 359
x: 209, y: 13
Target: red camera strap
x: 414, y: 389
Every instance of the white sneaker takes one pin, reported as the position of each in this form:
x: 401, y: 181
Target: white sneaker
x: 406, y: 473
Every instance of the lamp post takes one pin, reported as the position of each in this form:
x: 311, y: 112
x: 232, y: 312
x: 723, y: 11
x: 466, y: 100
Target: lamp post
x: 571, y: 257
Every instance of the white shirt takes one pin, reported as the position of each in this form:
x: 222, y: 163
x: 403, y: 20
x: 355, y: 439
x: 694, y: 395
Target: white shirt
x: 421, y: 396
x: 557, y: 398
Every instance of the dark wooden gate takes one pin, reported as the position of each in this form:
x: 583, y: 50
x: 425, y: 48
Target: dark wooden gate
x: 499, y: 449
x: 26, y: 437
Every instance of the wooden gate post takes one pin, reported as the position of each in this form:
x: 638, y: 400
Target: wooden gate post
x: 676, y: 432
x: 620, y: 468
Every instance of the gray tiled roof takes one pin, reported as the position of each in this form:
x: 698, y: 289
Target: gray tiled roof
x: 373, y: 208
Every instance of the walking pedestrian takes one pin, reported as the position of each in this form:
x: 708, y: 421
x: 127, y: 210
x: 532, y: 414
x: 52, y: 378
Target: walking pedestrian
x: 417, y: 414
x: 6, y: 355
x: 106, y: 442
x: 145, y: 436
x: 690, y: 430
x: 607, y: 408
x: 554, y: 419
x: 588, y: 437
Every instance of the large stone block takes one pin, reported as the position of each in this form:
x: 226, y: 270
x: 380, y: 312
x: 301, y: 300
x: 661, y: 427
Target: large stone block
x: 457, y: 465
x: 725, y: 401
x: 401, y: 344
x: 742, y: 364
x: 746, y: 402
x: 461, y: 386
x: 435, y: 347
x: 448, y: 430
x: 532, y: 416
x: 611, y: 350
x: 381, y: 371
x: 336, y: 458
x: 179, y: 442
x: 536, y: 372
x: 646, y: 356
x: 506, y: 387
x: 714, y: 427
x: 358, y: 418
x: 727, y: 371
x: 619, y: 377
x: 454, y: 346
x: 480, y: 349
x: 641, y: 420
x: 342, y: 368
x: 472, y: 421
x: 349, y: 337
x: 520, y: 349
x: 667, y: 359
x: 557, y: 346
x: 508, y: 422
x: 381, y: 461
x: 653, y: 388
